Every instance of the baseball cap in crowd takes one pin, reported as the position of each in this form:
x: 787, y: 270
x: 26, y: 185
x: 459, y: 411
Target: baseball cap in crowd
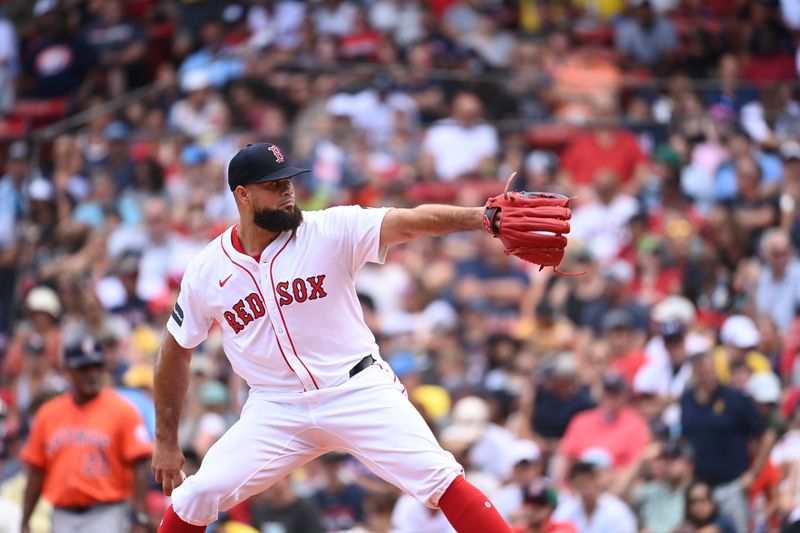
x: 675, y: 308
x: 618, y: 319
x: 540, y: 492
x: 43, y: 300
x: 195, y: 79
x: 560, y: 365
x: 41, y: 190
x: 193, y: 155
x: 597, y: 456
x: 764, y: 387
x: 403, y: 364
x: 83, y: 352
x: 672, y: 330
x: 790, y: 150
x: 740, y: 331
x: 116, y: 131
x: 613, y: 382
x: 674, y: 449
x: 258, y: 163
x: 620, y: 271
x: 17, y: 150
x: 541, y: 161
x: 524, y: 450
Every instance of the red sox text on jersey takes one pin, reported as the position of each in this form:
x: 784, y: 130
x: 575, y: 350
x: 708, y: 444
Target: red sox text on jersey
x: 251, y: 307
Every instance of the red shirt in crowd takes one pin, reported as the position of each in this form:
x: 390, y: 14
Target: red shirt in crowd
x: 584, y: 156
x: 624, y: 437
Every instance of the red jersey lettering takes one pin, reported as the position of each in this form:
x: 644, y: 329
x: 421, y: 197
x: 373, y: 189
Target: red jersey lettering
x: 244, y: 315
x: 283, y: 290
x: 256, y: 305
x: 299, y: 289
x: 316, y: 287
x: 232, y: 322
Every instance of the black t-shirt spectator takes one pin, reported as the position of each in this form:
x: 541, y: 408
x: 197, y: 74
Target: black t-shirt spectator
x: 58, y: 67
x: 551, y: 413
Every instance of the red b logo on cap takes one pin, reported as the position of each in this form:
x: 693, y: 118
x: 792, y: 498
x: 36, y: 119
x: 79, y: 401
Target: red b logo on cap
x: 277, y: 152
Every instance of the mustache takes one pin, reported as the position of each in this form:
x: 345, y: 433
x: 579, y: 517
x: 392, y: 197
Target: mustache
x: 278, y: 220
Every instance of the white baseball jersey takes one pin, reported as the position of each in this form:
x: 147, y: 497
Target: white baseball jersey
x: 291, y: 321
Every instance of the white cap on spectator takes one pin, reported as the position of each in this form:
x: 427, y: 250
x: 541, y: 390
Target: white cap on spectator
x: 539, y: 161
x: 43, y: 300
x: 195, y: 80
x: 456, y: 439
x: 790, y: 150
x: 620, y: 271
x: 598, y: 456
x: 469, y: 411
x: 740, y: 331
x: 340, y: 105
x: 764, y: 387
x: 524, y: 450
x: 42, y: 7
x: 41, y: 189
x: 696, y: 344
x: 674, y: 308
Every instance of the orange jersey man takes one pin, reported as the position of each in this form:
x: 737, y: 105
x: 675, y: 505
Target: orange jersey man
x: 87, y: 453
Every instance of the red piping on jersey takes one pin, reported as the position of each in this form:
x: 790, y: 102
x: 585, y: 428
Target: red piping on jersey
x: 274, y: 295
x: 237, y: 244
x: 278, y: 342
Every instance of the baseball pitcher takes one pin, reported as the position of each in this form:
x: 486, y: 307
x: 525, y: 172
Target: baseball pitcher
x: 281, y: 285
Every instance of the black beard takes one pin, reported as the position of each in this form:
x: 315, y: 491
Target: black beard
x: 278, y: 220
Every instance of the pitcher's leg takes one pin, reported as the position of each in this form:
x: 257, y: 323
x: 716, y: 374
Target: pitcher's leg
x: 393, y: 440
x: 269, y: 441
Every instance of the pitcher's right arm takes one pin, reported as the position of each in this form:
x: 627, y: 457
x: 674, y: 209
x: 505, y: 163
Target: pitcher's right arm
x: 171, y: 383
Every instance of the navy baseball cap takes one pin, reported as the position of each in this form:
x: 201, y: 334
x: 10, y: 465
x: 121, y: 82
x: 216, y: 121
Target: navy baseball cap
x: 257, y: 163
x: 82, y: 353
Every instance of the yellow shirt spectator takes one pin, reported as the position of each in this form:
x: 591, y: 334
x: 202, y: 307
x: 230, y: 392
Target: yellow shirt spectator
x: 754, y: 360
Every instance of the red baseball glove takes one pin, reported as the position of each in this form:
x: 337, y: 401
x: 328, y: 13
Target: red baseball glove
x: 531, y: 225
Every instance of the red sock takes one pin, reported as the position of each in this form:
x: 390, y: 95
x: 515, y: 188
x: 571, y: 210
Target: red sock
x: 469, y: 510
x: 171, y: 523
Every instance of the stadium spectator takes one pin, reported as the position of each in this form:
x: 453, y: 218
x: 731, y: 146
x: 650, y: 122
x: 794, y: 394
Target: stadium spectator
x: 592, y: 508
x: 612, y: 425
x: 96, y: 440
x: 722, y: 460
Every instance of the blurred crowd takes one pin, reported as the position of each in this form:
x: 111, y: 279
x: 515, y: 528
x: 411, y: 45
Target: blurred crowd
x: 657, y: 391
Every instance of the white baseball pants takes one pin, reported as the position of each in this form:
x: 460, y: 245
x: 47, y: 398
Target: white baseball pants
x: 368, y: 416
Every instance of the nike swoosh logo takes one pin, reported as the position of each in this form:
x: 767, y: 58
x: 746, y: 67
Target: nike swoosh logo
x: 222, y: 282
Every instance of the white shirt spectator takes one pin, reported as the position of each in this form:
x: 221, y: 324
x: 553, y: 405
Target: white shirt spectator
x: 280, y: 28
x: 611, y: 514
x: 491, y: 452
x: 402, y: 19
x: 206, y: 123
x: 410, y: 516
x: 458, y: 150
x: 603, y: 227
x: 337, y: 21
x: 373, y: 114
x: 778, y: 298
x: 657, y: 377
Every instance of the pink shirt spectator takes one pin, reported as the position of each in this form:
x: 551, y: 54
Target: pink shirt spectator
x: 625, y: 437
